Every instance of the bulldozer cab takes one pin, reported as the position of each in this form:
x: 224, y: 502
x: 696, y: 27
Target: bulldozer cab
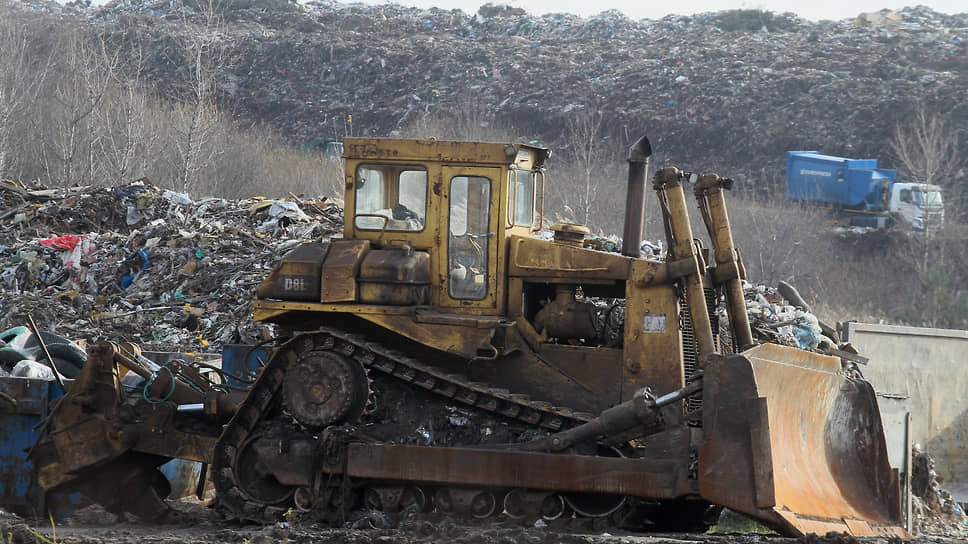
x: 457, y: 202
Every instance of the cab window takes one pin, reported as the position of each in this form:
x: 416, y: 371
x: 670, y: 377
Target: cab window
x: 522, y: 198
x: 468, y: 237
x: 393, y: 197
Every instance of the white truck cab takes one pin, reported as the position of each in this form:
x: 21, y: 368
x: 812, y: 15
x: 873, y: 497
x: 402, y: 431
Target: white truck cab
x: 918, y: 204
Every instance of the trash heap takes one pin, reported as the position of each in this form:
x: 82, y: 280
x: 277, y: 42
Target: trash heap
x: 775, y: 319
x: 141, y: 264
x: 934, y: 511
x: 325, y: 69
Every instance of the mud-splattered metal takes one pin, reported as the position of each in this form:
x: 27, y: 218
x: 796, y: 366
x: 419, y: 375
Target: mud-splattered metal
x: 790, y: 438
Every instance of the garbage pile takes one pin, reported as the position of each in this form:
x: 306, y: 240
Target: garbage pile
x: 775, y: 319
x: 327, y: 69
x: 140, y: 264
x: 935, y: 512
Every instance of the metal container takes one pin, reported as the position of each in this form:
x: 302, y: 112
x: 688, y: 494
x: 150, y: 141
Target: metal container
x: 26, y: 402
x: 244, y: 361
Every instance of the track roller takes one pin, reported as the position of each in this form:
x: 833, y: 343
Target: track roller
x: 478, y: 503
x: 254, y: 478
x: 594, y: 505
x: 303, y: 499
x: 520, y: 503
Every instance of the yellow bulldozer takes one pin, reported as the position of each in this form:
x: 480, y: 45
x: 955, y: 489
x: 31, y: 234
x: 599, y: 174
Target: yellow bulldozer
x: 442, y: 355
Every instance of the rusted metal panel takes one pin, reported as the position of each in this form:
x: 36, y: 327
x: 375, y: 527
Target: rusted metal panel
x: 539, y: 259
x: 653, y: 344
x: 459, y: 340
x: 460, y: 466
x: 30, y: 396
x: 597, y: 369
x: 824, y: 442
x: 171, y: 443
x: 437, y: 150
x: 338, y: 281
x: 268, y: 310
x: 474, y: 321
x: 101, y: 443
x: 297, y: 276
x: 398, y: 276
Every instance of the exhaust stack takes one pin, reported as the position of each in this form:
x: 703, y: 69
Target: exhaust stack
x: 639, y: 155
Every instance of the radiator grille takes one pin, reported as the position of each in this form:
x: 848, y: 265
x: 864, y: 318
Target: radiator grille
x: 690, y: 351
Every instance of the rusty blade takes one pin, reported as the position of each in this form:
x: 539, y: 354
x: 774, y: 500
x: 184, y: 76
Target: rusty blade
x: 794, y: 442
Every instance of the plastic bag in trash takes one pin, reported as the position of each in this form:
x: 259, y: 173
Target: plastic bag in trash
x: 32, y: 369
x: 807, y: 337
x: 284, y: 208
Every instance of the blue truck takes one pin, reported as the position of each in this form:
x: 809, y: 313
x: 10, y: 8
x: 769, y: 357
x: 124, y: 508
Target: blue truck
x: 865, y: 195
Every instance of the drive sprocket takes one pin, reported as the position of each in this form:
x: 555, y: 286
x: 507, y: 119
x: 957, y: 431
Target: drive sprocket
x: 325, y: 388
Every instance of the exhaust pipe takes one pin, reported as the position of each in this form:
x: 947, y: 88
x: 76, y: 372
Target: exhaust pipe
x: 639, y: 155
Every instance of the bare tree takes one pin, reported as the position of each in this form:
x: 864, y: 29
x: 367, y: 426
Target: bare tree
x: 927, y: 149
x: 584, y: 131
x: 70, y: 138
x: 468, y: 116
x: 124, y: 139
x: 20, y: 82
x: 197, y: 118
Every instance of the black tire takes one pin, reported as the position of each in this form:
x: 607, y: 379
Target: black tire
x: 58, y: 346
x: 10, y: 356
x: 66, y: 368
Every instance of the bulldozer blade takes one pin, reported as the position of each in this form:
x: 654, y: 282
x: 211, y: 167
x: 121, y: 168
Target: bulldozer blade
x: 791, y: 440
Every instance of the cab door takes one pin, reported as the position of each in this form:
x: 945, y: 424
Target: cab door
x: 468, y: 275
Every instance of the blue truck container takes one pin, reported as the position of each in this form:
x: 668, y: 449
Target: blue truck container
x: 865, y: 194
x: 26, y: 403
x: 244, y: 361
x: 848, y: 183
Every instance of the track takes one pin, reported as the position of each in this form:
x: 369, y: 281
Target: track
x: 252, y: 415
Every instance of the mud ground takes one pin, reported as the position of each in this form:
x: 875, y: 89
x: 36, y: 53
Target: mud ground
x: 196, y: 523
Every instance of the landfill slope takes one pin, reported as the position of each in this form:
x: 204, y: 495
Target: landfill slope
x: 709, y: 95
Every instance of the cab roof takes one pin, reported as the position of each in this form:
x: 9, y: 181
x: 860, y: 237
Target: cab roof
x: 448, y: 151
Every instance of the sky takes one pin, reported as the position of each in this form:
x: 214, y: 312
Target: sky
x: 651, y: 9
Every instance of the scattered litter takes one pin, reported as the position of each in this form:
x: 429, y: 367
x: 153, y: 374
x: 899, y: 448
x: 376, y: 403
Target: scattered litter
x: 774, y: 319
x: 180, y: 278
x: 935, y: 511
